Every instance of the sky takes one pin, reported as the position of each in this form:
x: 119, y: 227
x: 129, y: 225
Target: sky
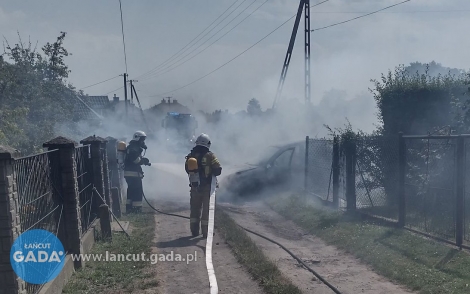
x: 344, y: 58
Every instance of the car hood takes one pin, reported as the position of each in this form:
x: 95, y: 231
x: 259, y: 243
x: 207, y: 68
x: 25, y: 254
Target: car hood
x: 239, y: 169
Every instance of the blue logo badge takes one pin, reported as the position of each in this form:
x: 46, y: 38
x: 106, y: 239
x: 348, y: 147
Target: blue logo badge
x: 37, y: 256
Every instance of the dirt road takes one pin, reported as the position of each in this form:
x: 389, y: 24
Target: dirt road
x: 173, y: 236
x: 342, y: 270
x: 168, y: 187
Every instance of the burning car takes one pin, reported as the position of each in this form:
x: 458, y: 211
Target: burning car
x: 278, y: 166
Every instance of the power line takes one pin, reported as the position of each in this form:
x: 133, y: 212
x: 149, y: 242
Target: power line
x: 204, y: 76
x: 170, y: 68
x: 99, y: 83
x: 412, y: 11
x: 370, y: 13
x: 123, y: 39
x: 113, y: 90
x: 240, y: 54
x: 190, y: 42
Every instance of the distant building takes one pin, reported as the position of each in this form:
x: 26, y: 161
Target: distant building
x: 95, y: 108
x: 165, y: 106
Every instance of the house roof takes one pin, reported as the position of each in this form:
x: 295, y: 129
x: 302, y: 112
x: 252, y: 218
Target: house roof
x: 173, y: 106
x: 97, y: 103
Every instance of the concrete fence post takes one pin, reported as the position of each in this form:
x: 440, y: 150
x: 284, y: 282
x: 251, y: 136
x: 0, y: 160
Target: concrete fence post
x: 115, y: 185
x: 106, y: 173
x: 350, y: 153
x: 112, y: 161
x: 70, y: 229
x: 9, y: 221
x: 401, y: 180
x: 336, y: 171
x: 460, y: 191
x: 97, y: 158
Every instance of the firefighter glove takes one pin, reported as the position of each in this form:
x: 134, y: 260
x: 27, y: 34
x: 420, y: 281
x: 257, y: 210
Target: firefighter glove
x: 145, y: 161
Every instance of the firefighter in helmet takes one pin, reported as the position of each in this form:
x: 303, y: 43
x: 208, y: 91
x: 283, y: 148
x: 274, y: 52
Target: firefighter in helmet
x: 133, y: 171
x: 201, y: 165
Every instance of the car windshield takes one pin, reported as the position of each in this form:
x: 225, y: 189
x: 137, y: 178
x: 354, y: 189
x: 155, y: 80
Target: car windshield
x: 263, y: 157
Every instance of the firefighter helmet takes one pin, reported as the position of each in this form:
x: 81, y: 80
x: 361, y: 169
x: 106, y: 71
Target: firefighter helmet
x: 203, y: 140
x: 138, y: 135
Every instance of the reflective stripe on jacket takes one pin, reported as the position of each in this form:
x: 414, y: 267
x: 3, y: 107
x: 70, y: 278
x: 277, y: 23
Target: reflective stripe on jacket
x: 133, y: 174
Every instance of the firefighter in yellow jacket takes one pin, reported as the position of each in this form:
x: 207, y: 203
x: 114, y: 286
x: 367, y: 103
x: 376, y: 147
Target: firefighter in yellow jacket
x: 201, y: 164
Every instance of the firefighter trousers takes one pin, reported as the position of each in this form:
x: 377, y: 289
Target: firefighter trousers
x: 200, y: 209
x: 134, y: 193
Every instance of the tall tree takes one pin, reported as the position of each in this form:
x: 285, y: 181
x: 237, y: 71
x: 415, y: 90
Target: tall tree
x: 254, y: 108
x: 34, y: 94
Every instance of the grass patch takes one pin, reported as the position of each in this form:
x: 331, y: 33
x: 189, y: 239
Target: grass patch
x: 249, y: 255
x: 420, y: 264
x: 119, y: 277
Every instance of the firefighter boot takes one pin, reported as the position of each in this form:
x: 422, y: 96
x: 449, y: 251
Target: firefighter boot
x: 194, y: 229
x: 204, y: 228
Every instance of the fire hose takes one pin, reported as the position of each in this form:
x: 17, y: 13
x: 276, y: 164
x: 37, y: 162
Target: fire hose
x: 334, y: 289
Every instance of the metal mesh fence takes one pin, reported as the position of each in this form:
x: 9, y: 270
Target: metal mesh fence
x: 85, y: 186
x: 376, y: 175
x: 320, y: 169
x: 39, y: 197
x: 430, y: 186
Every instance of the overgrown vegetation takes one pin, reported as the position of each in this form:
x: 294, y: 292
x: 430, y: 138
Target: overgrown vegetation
x: 420, y: 264
x: 249, y: 255
x: 34, y: 94
x: 420, y: 103
x: 119, y: 277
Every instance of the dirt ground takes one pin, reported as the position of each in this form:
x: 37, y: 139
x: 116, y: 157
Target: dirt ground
x: 173, y: 234
x: 167, y: 186
x: 342, y: 270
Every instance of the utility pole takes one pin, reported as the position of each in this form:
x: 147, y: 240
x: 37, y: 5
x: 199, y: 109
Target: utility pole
x: 307, y: 52
x: 304, y: 6
x: 125, y: 93
x: 132, y: 92
x: 140, y: 106
x: 290, y: 48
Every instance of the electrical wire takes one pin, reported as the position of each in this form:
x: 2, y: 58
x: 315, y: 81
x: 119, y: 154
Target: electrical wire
x: 238, y: 55
x: 113, y: 90
x: 226, y: 63
x: 99, y: 83
x: 412, y: 11
x: 190, y: 42
x: 123, y: 39
x: 349, y: 20
x: 170, y: 68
